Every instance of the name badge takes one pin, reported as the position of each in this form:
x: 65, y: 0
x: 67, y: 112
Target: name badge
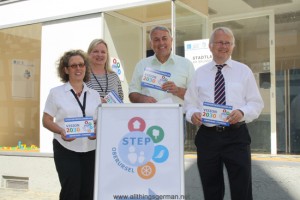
x: 77, y: 127
x: 215, y: 113
x: 113, y: 97
x: 154, y: 78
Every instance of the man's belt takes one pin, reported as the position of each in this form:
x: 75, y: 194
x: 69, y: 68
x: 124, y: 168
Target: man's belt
x: 224, y: 128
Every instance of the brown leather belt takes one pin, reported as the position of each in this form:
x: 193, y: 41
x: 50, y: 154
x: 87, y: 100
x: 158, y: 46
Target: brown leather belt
x: 223, y: 128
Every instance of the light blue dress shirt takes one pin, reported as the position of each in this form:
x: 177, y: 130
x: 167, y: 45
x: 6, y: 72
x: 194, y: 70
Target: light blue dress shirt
x: 181, y: 69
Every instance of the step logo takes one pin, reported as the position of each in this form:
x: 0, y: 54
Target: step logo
x: 140, y: 150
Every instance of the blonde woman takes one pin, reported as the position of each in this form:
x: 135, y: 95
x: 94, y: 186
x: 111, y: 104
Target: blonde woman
x: 102, y: 77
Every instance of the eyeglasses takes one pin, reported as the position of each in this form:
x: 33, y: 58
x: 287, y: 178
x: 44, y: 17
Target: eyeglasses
x: 80, y: 65
x: 221, y: 43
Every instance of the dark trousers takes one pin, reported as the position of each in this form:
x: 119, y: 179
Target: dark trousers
x: 232, y: 149
x: 75, y: 171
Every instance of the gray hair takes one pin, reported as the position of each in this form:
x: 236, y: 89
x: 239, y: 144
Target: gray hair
x: 226, y: 30
x: 159, y: 28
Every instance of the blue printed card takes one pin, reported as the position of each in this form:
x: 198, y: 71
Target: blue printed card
x: 154, y: 78
x: 77, y: 127
x: 113, y: 97
x: 215, y: 113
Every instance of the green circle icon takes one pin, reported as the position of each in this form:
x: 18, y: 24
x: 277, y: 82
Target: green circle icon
x: 156, y: 133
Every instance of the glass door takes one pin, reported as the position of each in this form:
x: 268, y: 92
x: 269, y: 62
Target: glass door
x: 294, y: 115
x: 124, y: 39
x: 189, y: 23
x: 288, y: 108
x: 281, y: 110
x: 287, y: 83
x: 252, y: 36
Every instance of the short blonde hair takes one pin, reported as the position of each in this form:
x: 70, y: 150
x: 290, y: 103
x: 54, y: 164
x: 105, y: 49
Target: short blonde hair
x: 93, y: 44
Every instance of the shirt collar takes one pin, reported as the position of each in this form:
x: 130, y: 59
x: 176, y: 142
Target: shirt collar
x: 170, y: 59
x: 227, y: 62
x: 68, y: 87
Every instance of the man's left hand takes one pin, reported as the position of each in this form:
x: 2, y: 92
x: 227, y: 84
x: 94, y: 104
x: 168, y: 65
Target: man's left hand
x: 170, y: 87
x: 235, y: 116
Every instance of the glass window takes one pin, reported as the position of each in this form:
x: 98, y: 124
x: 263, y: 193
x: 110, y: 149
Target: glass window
x: 252, y: 48
x: 189, y: 26
x: 287, y: 32
x: 20, y: 52
x: 127, y: 46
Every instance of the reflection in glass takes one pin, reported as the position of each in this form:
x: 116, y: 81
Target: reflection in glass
x: 20, y: 52
x: 189, y: 26
x: 253, y: 49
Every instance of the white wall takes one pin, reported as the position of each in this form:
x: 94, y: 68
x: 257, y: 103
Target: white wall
x: 58, y: 37
x: 40, y: 171
x: 33, y: 11
x: 66, y: 25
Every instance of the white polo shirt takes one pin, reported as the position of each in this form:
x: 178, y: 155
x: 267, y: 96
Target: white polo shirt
x: 62, y: 104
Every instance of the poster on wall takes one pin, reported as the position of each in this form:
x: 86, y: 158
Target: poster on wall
x: 198, y: 52
x: 22, y: 79
x: 117, y: 67
x: 142, y: 156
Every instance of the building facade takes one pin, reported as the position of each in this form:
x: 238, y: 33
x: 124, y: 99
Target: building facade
x: 34, y: 33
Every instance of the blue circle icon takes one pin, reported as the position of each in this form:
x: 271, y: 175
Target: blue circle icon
x: 161, y: 154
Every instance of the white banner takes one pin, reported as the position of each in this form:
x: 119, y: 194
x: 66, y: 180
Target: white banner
x: 139, y: 152
x: 198, y: 52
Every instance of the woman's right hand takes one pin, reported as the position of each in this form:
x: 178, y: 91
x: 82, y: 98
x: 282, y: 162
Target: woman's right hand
x: 103, y: 100
x: 48, y: 122
x: 64, y: 136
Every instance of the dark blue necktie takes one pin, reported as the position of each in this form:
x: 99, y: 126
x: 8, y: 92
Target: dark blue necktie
x: 220, y: 86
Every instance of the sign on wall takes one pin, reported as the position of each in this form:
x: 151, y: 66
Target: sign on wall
x: 22, y: 78
x: 139, y: 152
x: 198, y: 52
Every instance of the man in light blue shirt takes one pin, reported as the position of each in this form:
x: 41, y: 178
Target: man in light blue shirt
x: 181, y: 70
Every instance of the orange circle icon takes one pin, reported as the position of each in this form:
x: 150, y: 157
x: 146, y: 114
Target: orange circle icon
x: 146, y: 171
